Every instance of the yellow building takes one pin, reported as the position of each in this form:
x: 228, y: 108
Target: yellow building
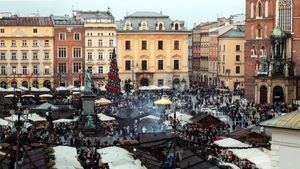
x: 231, y: 58
x: 153, y: 50
x: 26, y: 51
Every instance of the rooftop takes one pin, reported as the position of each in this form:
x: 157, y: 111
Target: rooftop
x: 66, y: 20
x: 147, y: 14
x: 288, y: 121
x: 26, y: 21
x: 237, y: 32
x: 94, y: 14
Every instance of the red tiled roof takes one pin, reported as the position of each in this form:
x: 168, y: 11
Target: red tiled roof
x: 26, y: 21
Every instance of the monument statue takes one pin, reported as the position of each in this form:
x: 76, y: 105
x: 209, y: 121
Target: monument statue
x: 89, y: 122
x: 87, y: 82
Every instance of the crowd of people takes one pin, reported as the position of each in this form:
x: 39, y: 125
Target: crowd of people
x: 129, y: 123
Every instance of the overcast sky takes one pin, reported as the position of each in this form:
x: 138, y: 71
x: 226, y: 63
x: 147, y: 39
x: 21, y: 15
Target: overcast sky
x: 191, y: 11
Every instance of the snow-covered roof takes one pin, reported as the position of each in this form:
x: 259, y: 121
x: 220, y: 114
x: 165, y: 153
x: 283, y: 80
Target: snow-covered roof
x: 65, y: 158
x: 104, y: 117
x: 255, y: 155
x: 119, y: 158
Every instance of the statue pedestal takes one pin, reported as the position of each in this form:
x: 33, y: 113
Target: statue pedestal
x: 88, y: 122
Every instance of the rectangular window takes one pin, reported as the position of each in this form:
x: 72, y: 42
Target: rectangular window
x: 100, y: 42
x: 46, y: 54
x: 76, y: 36
x: 127, y: 65
x: 160, y: 64
x: 62, y: 52
x: 24, y: 42
x: 144, y: 45
x: 46, y: 43
x: 127, y: 45
x: 110, y: 55
x: 223, y: 48
x: 35, y: 70
x: 160, y: 45
x: 2, y: 56
x: 3, y: 70
x: 90, y: 56
x: 90, y: 43
x: 13, y: 56
x: 176, y: 64
x: 24, y: 70
x: 62, y: 68
x: 24, y: 56
x: 76, y: 52
x: 237, y: 48
x: 34, y: 43
x: 111, y: 43
x: 13, y: 43
x: 176, y: 45
x: 62, y: 36
x: 160, y: 82
x: 2, y: 43
x: 35, y: 30
x: 2, y: 30
x: 144, y: 64
x: 90, y: 69
x: 100, y: 56
x: 237, y: 58
x: 76, y: 67
x: 13, y: 68
x: 34, y: 56
x: 47, y: 70
x: 100, y: 69
x: 237, y: 70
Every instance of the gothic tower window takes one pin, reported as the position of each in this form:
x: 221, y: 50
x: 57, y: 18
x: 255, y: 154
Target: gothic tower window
x: 259, y: 31
x: 267, y: 8
x: 259, y: 9
x: 285, y: 12
x: 266, y: 31
x: 252, y: 32
x: 252, y: 10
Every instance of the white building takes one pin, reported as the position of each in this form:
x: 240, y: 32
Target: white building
x: 285, y: 149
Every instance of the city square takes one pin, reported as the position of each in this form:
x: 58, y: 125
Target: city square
x: 89, y: 88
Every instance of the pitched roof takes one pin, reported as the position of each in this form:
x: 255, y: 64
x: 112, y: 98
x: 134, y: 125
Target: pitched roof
x: 66, y: 20
x: 26, y: 21
x: 143, y: 14
x: 288, y: 121
x: 152, y: 19
x: 94, y: 14
x: 238, y: 32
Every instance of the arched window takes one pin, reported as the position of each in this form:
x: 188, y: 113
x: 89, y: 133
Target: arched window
x: 25, y: 84
x: 3, y: 85
x: 258, y: 31
x: 47, y: 84
x: 285, y: 15
x: 176, y: 26
x: 266, y: 31
x: 14, y: 84
x: 160, y: 26
x: 35, y: 84
x: 253, y: 52
x: 259, y: 9
x: 267, y: 8
x: 252, y: 9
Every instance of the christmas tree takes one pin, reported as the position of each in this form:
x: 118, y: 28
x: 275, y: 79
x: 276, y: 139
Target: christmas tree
x: 113, y: 85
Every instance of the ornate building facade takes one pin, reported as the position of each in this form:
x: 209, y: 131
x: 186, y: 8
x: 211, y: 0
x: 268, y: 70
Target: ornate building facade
x: 271, y: 55
x: 153, y: 50
x: 26, y: 51
x: 69, y: 53
x: 100, y: 41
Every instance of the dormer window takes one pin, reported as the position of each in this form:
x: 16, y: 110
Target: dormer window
x: 176, y: 26
x: 144, y: 25
x: 160, y: 26
x: 128, y: 26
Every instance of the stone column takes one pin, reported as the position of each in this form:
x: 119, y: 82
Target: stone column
x: 152, y: 57
x: 168, y: 60
x: 270, y: 94
x: 257, y: 94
